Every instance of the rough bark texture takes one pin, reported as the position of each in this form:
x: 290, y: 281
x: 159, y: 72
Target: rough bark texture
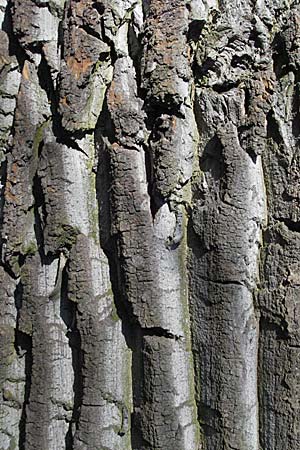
x: 149, y: 218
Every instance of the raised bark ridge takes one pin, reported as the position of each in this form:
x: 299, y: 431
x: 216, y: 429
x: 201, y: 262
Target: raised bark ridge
x: 149, y: 218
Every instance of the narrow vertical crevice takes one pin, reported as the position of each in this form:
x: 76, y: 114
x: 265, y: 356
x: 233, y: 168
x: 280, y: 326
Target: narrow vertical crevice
x: 39, y: 213
x: 24, y: 342
x: 77, y: 361
x: 155, y: 201
x: 280, y: 56
x: 135, y: 53
x: 67, y: 307
x: 46, y: 83
x: 23, y: 348
x: 273, y: 131
x: 68, y: 312
x: 14, y: 45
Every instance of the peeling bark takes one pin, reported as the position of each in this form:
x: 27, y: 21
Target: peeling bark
x: 149, y: 225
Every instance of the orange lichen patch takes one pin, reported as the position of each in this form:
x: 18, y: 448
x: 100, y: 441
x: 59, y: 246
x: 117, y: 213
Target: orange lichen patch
x: 25, y: 71
x: 51, y: 189
x: 14, y: 168
x: 4, y: 60
x: 13, y: 177
x: 115, y: 97
x: 168, y: 58
x: 78, y: 66
x: 64, y: 101
x: 8, y: 195
x: 268, y: 84
x: 188, y: 53
x: 79, y: 7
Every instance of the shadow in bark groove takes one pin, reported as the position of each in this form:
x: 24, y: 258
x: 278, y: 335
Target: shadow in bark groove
x: 23, y: 341
x: 280, y: 56
x: 14, y: 45
x: 212, y: 159
x: 23, y: 348
x: 75, y: 345
x: 67, y: 307
x: 39, y: 207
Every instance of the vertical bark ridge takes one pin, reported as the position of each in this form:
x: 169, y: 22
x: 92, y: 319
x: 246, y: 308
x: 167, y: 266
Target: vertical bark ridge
x: 236, y: 113
x: 228, y: 214
x: 148, y: 247
x: 278, y: 296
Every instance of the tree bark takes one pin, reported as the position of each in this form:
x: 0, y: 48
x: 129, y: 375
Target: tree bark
x: 149, y: 218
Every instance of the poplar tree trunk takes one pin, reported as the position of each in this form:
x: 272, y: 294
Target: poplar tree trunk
x: 149, y: 215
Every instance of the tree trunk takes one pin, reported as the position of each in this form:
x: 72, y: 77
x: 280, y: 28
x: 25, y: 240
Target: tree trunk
x: 149, y: 214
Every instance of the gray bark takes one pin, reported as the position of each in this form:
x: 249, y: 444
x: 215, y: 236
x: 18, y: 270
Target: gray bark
x: 149, y: 225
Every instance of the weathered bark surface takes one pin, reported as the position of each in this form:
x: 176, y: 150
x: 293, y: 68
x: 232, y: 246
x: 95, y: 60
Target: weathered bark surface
x: 149, y: 218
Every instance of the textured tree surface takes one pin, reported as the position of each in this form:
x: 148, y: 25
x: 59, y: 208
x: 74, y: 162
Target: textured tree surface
x: 149, y: 218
